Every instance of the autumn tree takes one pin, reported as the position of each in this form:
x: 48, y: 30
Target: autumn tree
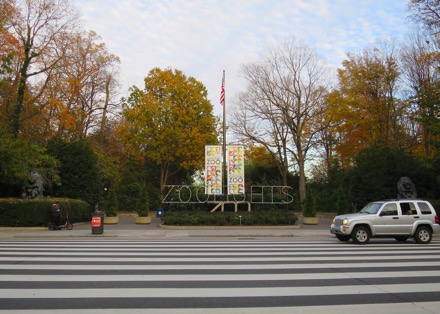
x: 365, y: 103
x: 81, y: 94
x: 420, y: 59
x: 8, y: 50
x: 8, y: 43
x: 426, y: 12
x: 169, y: 122
x: 41, y: 27
x: 284, y: 96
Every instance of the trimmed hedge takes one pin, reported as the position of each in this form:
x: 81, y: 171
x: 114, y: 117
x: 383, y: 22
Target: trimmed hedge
x: 37, y: 212
x: 200, y: 218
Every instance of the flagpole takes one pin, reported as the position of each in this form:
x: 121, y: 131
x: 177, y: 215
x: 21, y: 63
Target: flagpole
x: 225, y: 167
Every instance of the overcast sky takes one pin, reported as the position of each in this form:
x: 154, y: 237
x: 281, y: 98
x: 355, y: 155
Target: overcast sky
x: 204, y: 37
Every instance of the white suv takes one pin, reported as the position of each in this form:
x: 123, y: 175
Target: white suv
x: 400, y: 219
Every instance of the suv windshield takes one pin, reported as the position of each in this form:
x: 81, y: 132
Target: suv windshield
x: 371, y: 208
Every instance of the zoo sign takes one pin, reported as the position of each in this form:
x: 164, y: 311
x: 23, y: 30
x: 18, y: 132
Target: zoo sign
x: 214, y: 169
x: 235, y: 162
x: 187, y: 194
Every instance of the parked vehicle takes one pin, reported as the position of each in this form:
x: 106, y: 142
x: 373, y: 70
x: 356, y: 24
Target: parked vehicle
x: 399, y: 219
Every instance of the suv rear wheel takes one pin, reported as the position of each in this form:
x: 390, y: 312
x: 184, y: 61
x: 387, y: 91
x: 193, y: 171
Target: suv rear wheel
x: 423, y: 235
x: 360, y: 235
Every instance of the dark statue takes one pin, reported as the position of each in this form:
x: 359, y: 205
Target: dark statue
x: 406, y: 189
x: 33, y: 186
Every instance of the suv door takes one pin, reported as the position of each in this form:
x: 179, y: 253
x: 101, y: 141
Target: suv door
x: 388, y: 222
x: 409, y: 216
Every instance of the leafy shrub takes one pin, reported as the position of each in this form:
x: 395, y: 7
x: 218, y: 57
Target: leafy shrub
x: 37, y: 212
x: 111, y: 204
x: 143, y: 203
x: 309, y: 206
x: 79, y: 172
x: 129, y: 188
x: 202, y: 218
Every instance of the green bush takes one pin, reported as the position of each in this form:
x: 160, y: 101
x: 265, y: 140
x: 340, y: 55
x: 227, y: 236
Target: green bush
x: 201, y: 218
x: 79, y: 172
x: 129, y: 188
x: 309, y: 205
x: 111, y: 204
x: 37, y: 212
x: 143, y: 203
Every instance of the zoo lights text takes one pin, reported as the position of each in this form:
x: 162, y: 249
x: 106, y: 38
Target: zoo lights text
x: 256, y: 194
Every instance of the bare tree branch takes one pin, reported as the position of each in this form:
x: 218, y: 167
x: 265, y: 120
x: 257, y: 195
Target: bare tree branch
x: 284, y: 97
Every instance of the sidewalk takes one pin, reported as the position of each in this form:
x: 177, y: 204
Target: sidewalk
x: 128, y: 228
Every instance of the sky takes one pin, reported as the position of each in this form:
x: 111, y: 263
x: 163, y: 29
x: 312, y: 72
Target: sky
x: 204, y: 37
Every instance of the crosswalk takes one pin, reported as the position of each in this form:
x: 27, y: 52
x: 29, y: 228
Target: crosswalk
x: 217, y: 276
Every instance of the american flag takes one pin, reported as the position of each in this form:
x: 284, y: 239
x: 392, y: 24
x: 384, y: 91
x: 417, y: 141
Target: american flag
x: 222, y: 93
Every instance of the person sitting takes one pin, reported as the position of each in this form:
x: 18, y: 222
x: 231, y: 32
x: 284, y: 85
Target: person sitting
x: 56, y: 214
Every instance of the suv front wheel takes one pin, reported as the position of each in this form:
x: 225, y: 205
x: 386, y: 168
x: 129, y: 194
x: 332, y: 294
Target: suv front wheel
x: 361, y: 235
x: 423, y: 235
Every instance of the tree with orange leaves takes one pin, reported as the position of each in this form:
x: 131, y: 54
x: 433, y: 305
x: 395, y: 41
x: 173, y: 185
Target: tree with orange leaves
x: 8, y: 43
x: 41, y: 28
x: 169, y: 122
x: 365, y: 104
x: 81, y: 93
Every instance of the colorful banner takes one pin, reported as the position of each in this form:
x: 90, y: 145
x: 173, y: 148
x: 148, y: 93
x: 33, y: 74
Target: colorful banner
x: 213, y: 169
x: 235, y: 162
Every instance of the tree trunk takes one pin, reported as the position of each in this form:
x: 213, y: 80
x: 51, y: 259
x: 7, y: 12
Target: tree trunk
x: 20, y: 96
x: 302, y: 180
x: 164, y: 168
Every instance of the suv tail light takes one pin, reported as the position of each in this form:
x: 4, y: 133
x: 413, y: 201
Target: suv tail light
x: 436, y: 219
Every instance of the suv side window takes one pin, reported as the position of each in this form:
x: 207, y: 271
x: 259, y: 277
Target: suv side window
x: 408, y: 208
x: 389, y: 210
x: 424, y: 208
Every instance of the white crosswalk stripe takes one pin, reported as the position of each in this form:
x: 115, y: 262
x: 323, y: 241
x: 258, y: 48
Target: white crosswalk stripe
x: 217, y: 276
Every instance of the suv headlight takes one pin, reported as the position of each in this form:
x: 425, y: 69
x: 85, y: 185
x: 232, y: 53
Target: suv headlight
x: 345, y: 221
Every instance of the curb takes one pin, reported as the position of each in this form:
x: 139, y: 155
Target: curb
x: 287, y: 227
x: 23, y: 228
